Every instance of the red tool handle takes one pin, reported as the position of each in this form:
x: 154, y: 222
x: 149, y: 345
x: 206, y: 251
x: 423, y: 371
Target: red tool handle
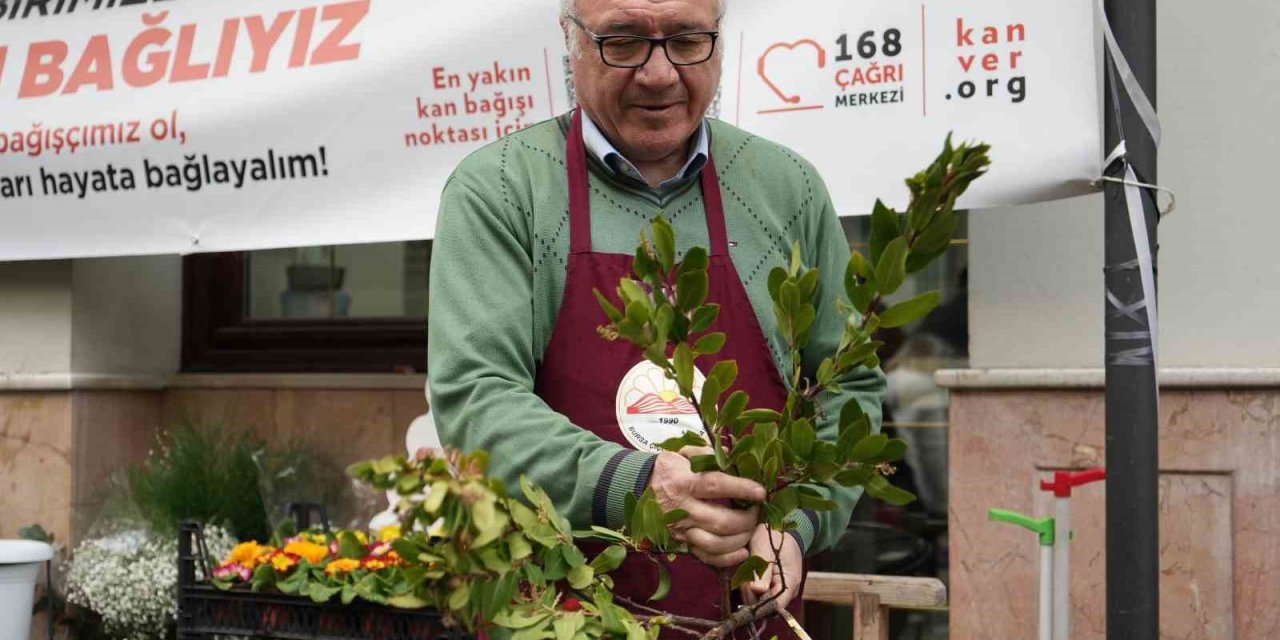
x: 1064, y: 481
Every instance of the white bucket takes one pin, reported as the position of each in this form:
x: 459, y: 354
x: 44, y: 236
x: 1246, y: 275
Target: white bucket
x: 20, y: 562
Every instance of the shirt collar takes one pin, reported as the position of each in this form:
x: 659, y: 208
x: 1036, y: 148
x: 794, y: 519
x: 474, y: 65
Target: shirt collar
x: 600, y: 147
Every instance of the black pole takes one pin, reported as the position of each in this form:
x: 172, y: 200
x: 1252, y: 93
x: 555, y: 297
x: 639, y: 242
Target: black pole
x: 1133, y: 534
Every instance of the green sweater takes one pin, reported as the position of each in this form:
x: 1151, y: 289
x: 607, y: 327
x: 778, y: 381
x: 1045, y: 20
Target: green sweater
x: 498, y: 276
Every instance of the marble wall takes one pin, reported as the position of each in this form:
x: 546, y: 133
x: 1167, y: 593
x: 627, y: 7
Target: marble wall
x: 1219, y: 511
x: 36, y: 462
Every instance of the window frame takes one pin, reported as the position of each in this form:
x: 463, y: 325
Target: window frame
x: 218, y: 338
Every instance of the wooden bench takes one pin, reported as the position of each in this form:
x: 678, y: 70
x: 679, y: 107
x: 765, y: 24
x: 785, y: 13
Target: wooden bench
x: 871, y: 597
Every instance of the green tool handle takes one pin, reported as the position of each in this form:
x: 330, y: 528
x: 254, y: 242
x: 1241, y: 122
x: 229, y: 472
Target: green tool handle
x: 1042, y: 526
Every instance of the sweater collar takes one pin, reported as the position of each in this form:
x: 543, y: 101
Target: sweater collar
x: 608, y: 155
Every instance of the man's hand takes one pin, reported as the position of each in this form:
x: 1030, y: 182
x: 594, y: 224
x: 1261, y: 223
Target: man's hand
x: 716, y: 534
x: 771, y: 581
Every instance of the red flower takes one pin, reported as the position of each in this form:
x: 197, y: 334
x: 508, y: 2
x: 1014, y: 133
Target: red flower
x: 571, y: 604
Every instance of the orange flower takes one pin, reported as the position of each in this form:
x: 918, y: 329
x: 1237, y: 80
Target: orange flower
x: 375, y: 564
x: 342, y: 565
x: 314, y: 553
x: 245, y: 553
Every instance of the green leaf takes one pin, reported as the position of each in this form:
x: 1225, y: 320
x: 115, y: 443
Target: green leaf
x: 644, y: 265
x: 789, y: 295
x: 709, y: 344
x: 858, y: 355
x: 519, y: 546
x: 761, y: 415
x: 786, y: 500
x: 910, y: 310
x: 809, y: 284
x: 684, y: 368
x: 319, y: 592
x: 439, y: 491
x: 711, y: 391
x: 802, y: 437
x: 733, y: 407
x: 638, y: 312
x: 854, y: 476
x: 664, y: 583
x: 610, y: 310
x: 567, y: 625
x: 349, y: 546
x: 869, y: 447
x: 493, y: 560
x: 849, y: 413
x: 725, y: 372
x: 938, y: 235
x: 861, y: 297
x: 891, y: 269
x: 630, y: 291
x: 816, y: 503
x: 703, y: 463
x: 686, y: 439
x: 754, y: 567
x: 894, y: 450
x: 573, y: 556
x: 520, y: 619
x: 348, y: 594
x: 664, y: 242
x: 703, y: 317
x: 407, y: 601
x: 609, y: 559
x: 884, y: 227
x: 691, y: 290
x: 460, y: 596
x: 695, y: 259
x: 795, y: 258
x: 673, y: 516
x: 879, y: 487
x: 777, y: 276
x: 580, y: 577
x: 804, y: 318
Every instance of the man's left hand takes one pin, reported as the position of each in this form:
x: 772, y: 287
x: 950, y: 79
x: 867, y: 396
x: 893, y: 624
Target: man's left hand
x: 770, y: 582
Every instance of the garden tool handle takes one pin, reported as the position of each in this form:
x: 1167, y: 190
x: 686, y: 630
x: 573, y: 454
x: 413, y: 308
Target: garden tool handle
x: 1064, y: 481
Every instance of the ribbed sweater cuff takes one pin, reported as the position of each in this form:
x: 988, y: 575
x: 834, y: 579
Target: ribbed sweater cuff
x: 806, y: 528
x: 626, y: 472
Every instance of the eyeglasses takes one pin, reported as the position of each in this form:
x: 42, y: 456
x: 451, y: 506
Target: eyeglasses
x: 630, y: 52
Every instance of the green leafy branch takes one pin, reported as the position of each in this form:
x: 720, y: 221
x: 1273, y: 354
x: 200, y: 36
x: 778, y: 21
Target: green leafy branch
x: 663, y: 311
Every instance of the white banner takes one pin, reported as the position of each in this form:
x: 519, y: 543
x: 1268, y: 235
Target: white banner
x: 137, y: 127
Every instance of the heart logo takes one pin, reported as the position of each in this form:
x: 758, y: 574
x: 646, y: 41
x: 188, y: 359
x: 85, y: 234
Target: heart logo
x: 789, y: 98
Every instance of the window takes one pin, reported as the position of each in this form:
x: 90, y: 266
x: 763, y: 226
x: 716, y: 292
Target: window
x: 346, y: 308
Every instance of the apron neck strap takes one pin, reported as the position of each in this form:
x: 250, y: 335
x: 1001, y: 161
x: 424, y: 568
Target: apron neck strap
x: 580, y: 196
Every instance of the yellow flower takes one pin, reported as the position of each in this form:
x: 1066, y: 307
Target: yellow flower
x: 389, y: 533
x: 361, y: 536
x: 283, y: 562
x: 375, y: 564
x: 342, y: 565
x: 314, y: 553
x: 245, y: 553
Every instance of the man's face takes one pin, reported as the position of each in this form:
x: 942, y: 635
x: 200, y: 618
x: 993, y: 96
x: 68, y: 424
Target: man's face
x: 648, y: 112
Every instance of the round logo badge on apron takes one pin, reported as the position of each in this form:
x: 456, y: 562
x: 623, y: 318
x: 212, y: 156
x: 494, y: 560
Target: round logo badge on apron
x: 650, y: 408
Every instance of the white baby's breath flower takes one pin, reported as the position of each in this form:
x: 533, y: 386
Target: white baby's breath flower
x: 131, y: 579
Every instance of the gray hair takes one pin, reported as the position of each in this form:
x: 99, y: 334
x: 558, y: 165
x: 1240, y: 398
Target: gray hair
x: 569, y: 8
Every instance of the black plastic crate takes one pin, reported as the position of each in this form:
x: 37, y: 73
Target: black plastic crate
x: 205, y: 611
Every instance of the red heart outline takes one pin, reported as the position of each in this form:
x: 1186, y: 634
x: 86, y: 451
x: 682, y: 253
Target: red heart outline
x: 789, y: 99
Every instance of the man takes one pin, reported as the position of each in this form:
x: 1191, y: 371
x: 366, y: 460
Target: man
x: 530, y: 224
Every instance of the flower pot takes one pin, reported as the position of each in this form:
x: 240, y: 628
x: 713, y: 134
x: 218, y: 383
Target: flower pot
x: 20, y: 562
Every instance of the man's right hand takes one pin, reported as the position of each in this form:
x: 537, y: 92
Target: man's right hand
x: 716, y: 534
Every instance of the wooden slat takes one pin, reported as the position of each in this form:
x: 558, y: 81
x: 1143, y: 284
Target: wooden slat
x: 896, y: 592
x: 870, y: 618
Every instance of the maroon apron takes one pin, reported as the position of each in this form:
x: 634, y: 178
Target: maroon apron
x: 581, y: 372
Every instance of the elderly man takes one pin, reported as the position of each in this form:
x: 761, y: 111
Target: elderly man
x: 532, y: 223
